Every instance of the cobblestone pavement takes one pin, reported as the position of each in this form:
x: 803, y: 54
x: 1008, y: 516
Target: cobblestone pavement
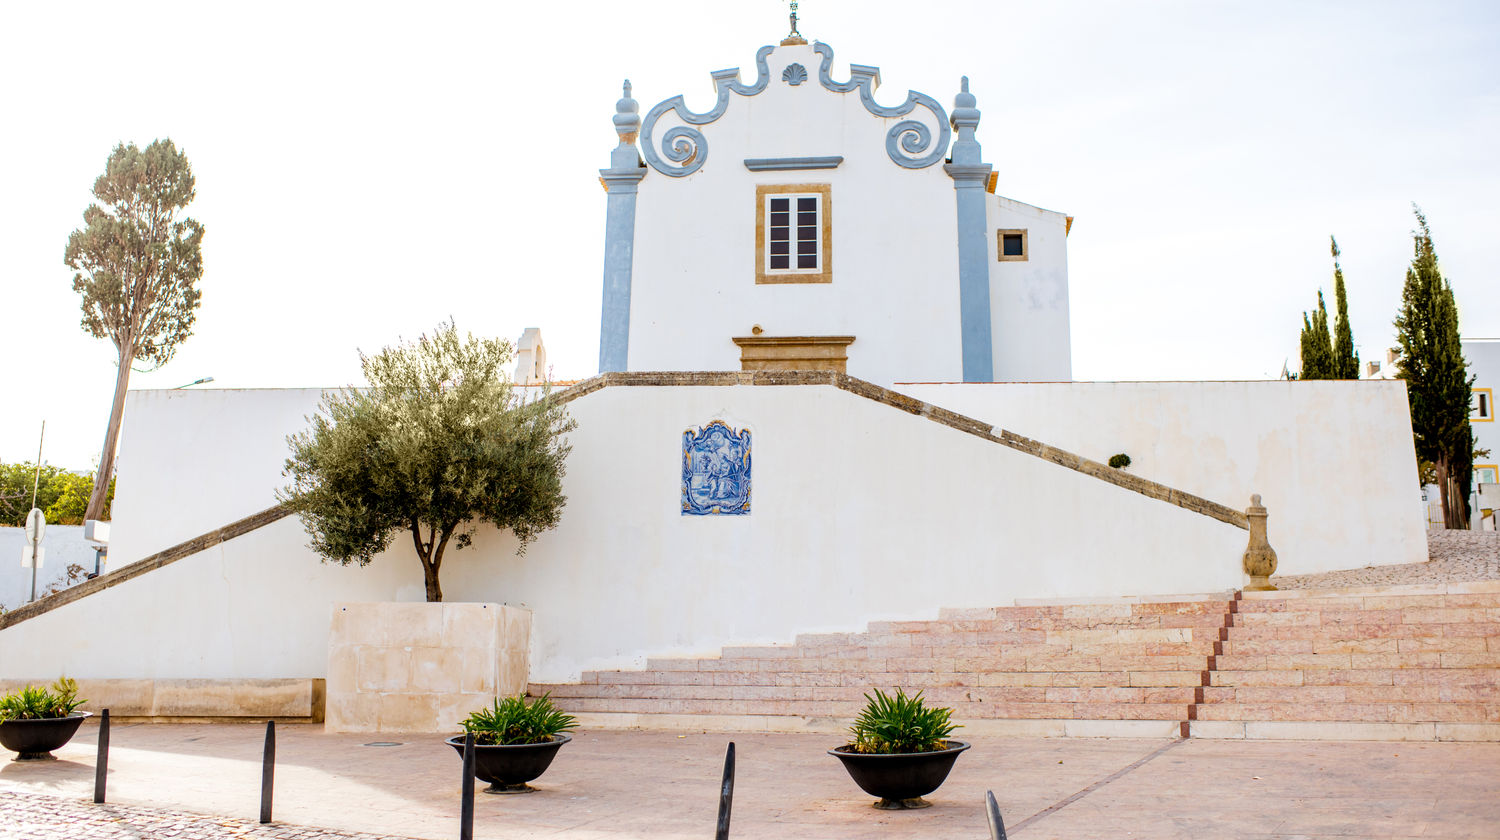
x: 1453, y: 557
x: 29, y: 816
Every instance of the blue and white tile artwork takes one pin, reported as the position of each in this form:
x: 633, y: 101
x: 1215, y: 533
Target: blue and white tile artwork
x: 715, y: 470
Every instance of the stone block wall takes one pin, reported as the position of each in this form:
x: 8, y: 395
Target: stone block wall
x: 420, y: 667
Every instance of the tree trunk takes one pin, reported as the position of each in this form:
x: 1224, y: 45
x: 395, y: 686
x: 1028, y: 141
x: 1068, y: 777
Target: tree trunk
x: 1440, y: 473
x: 1453, y: 497
x: 430, y: 576
x: 95, y: 510
x: 430, y: 567
x: 430, y: 561
x: 1458, y: 505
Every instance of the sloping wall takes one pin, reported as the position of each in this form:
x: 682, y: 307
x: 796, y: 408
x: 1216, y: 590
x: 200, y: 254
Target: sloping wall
x: 1333, y: 461
x: 860, y: 512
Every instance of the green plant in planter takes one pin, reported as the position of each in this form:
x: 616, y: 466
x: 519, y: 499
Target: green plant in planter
x: 34, y: 702
x: 1120, y: 461
x: 514, y: 721
x: 900, y: 724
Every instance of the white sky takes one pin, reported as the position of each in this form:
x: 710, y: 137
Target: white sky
x: 367, y: 170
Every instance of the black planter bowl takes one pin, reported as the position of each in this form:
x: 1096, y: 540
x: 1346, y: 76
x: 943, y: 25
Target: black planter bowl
x: 900, y: 779
x: 34, y: 740
x: 509, y: 767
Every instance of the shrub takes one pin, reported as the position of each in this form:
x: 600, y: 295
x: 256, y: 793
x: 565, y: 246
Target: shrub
x: 900, y: 724
x: 33, y: 702
x: 1120, y: 461
x: 514, y: 721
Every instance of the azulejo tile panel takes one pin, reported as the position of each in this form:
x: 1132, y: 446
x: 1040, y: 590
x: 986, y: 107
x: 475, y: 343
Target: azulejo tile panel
x: 715, y: 470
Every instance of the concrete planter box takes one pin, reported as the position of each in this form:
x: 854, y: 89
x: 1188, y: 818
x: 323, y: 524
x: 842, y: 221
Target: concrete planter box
x: 420, y: 667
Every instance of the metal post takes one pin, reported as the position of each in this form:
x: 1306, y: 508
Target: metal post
x: 36, y: 485
x: 268, y: 772
x: 466, y: 809
x: 726, y: 795
x: 992, y: 810
x: 101, y: 761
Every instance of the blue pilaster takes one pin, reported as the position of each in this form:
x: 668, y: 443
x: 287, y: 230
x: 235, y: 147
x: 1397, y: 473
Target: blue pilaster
x: 621, y: 180
x: 969, y: 176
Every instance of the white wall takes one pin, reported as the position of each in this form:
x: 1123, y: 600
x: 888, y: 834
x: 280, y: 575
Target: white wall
x: 257, y: 607
x: 1029, y: 298
x: 1333, y: 461
x: 860, y: 512
x: 196, y: 460
x: 64, y: 545
x: 895, y: 247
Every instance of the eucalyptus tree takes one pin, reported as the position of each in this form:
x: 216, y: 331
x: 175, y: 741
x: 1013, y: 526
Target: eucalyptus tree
x: 137, y: 264
x: 440, y: 441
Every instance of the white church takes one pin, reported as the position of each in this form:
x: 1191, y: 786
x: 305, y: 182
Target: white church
x: 834, y: 391
x: 801, y: 224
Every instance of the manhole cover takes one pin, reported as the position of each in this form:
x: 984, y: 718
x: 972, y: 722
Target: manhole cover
x: 384, y: 744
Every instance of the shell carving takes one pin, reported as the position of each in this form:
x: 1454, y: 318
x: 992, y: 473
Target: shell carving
x: 794, y: 74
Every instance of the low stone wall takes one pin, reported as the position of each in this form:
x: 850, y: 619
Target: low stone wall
x: 298, y: 700
x: 420, y: 667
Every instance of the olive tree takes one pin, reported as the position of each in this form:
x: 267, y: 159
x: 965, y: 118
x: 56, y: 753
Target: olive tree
x: 438, y: 442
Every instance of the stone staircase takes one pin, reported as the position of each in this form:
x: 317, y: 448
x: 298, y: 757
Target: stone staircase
x: 1390, y: 663
x: 1385, y: 663
x: 1128, y: 667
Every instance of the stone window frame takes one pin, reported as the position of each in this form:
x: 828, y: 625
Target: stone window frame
x: 824, y: 274
x: 1000, y: 245
x: 1484, y: 409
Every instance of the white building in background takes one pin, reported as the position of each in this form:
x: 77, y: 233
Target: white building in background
x: 1483, y: 356
x: 800, y: 223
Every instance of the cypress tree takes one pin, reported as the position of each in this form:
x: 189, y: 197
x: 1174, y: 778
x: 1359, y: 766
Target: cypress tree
x: 1317, y: 346
x: 1345, y: 360
x: 1437, y: 381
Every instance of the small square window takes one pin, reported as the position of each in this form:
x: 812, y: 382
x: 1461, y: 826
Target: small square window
x: 1011, y: 245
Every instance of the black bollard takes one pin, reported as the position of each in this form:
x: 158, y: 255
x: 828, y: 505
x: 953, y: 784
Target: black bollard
x: 101, y: 762
x: 466, y: 810
x: 726, y: 795
x: 268, y: 772
x: 992, y: 810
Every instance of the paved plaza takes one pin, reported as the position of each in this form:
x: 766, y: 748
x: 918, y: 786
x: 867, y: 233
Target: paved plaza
x: 187, y: 782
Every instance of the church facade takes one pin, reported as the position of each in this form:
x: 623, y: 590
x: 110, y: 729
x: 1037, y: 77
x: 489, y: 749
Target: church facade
x: 801, y: 224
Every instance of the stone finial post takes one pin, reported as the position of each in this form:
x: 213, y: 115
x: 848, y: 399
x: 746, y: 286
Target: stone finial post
x: 621, y: 180
x: 1260, y: 558
x: 970, y: 174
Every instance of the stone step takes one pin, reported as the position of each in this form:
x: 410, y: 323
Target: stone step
x: 937, y: 694
x: 978, y: 709
x: 1365, y: 630
x: 1395, y: 712
x: 1472, y: 694
x: 1375, y: 603
x: 1418, y: 644
x: 1356, y: 661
